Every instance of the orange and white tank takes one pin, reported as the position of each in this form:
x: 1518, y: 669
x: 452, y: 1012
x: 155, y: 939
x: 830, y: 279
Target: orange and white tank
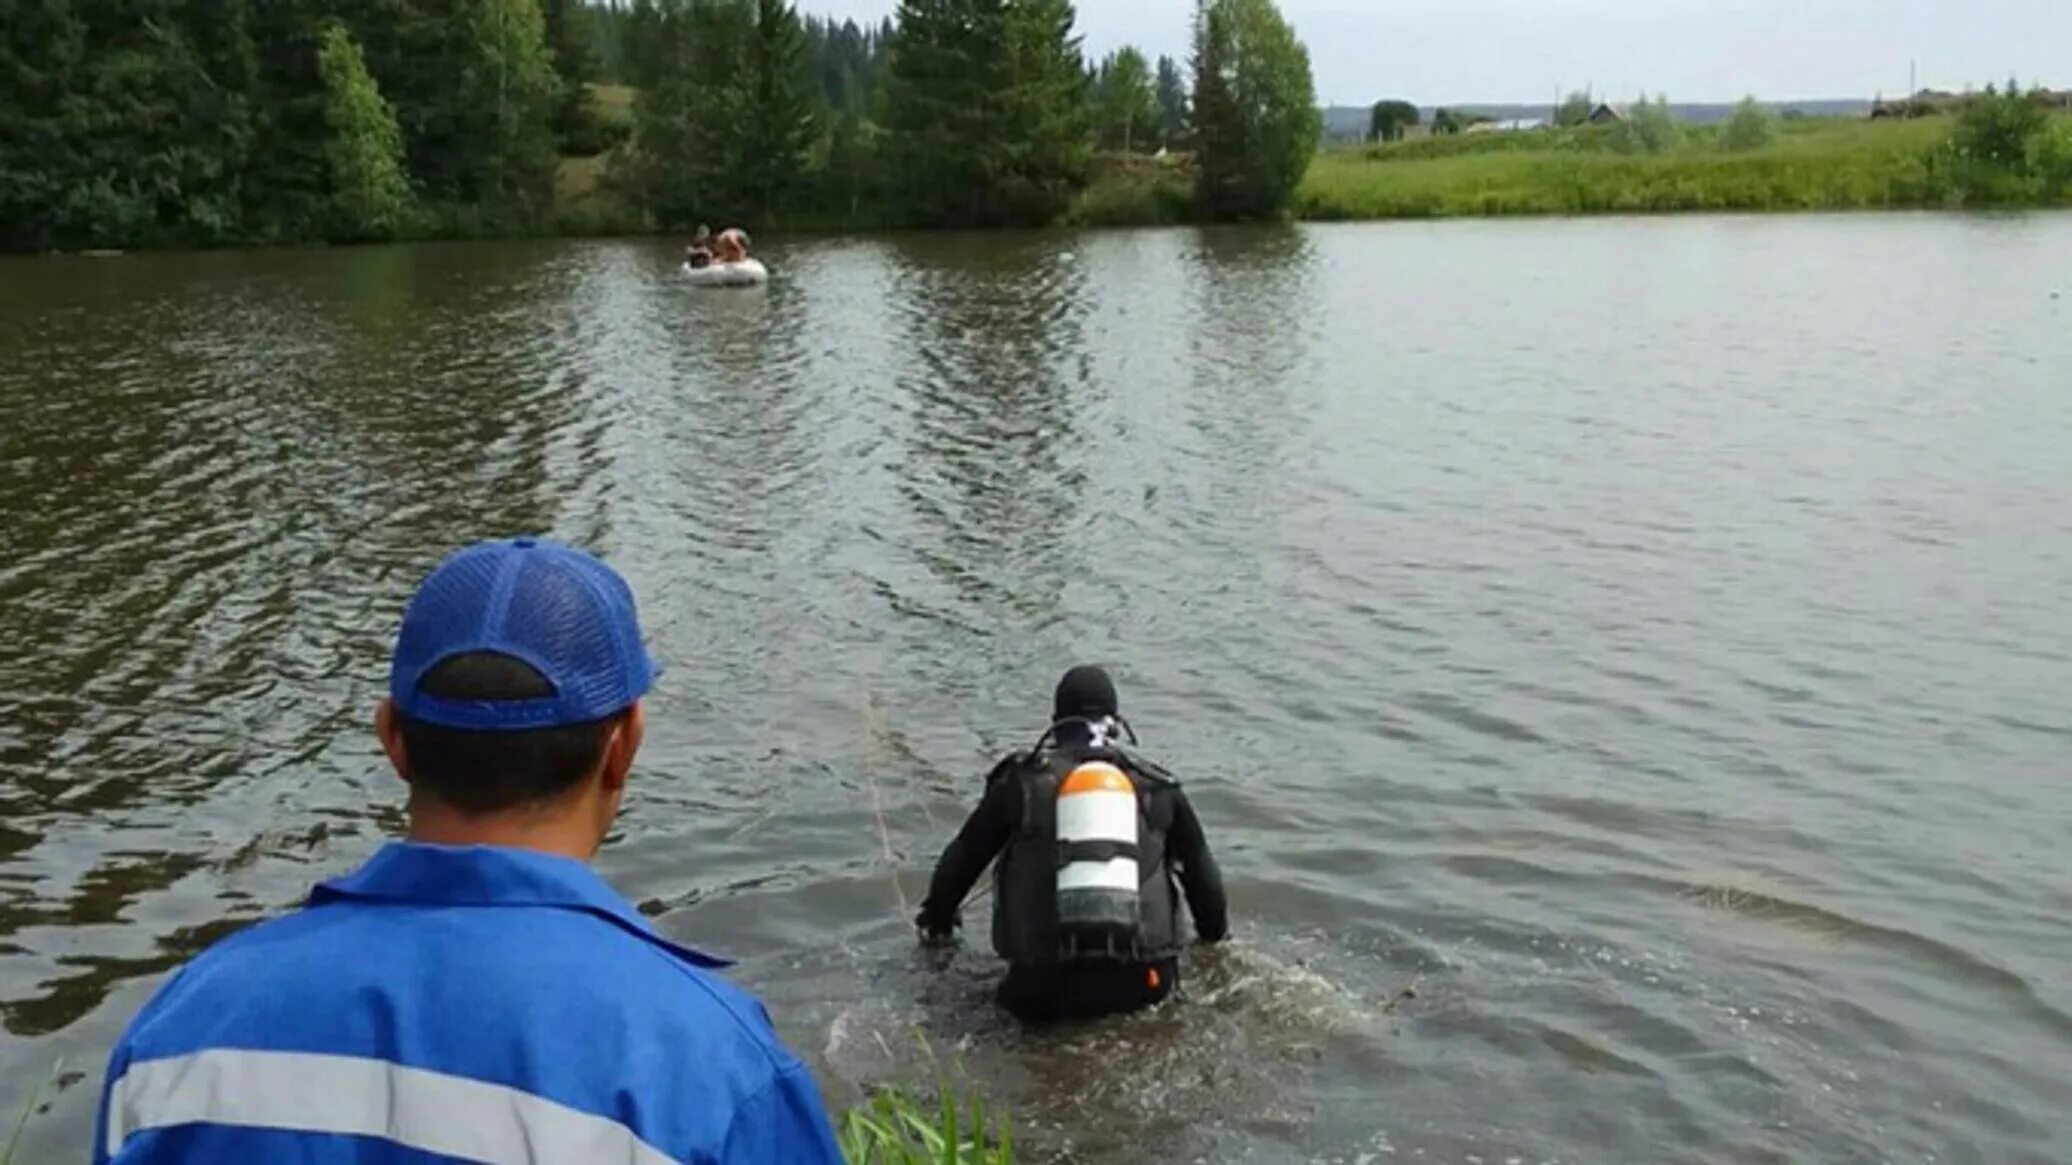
x: 1097, y: 834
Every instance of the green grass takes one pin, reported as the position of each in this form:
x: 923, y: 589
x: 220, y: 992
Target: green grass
x: 1131, y: 190
x: 893, y: 1128
x: 1813, y: 165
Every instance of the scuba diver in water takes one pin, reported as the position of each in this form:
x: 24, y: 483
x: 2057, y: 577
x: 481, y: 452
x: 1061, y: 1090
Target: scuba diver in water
x: 1090, y: 839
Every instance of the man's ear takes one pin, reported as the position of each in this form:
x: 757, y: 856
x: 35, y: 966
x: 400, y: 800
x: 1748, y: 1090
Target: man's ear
x: 622, y: 744
x: 390, y: 733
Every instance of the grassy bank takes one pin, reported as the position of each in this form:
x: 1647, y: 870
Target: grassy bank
x: 1809, y: 165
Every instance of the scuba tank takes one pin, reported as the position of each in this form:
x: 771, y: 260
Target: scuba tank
x: 1097, y: 895
x: 1084, y: 876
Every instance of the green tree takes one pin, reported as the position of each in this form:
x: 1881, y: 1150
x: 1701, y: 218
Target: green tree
x: 986, y: 112
x: 287, y: 185
x: 1751, y: 128
x: 571, y: 37
x: 1172, y: 101
x: 780, y: 126
x: 1575, y: 109
x: 1256, y: 121
x: 1125, y: 102
x: 43, y: 49
x: 848, y: 169
x: 364, y: 148
x: 1388, y: 121
x: 127, y: 122
x: 691, y: 115
x: 515, y: 88
x: 1049, y: 126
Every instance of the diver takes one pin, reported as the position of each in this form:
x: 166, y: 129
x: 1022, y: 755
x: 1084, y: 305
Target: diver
x: 1091, y: 838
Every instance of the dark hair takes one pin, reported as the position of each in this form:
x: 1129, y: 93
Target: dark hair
x: 487, y: 772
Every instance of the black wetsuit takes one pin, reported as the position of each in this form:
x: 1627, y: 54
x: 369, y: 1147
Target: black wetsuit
x: 1039, y: 992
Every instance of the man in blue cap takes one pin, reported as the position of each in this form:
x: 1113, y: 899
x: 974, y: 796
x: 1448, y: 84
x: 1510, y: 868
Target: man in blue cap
x: 475, y: 993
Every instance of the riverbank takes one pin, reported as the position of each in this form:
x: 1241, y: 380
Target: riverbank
x: 1807, y: 165
x: 1811, y: 165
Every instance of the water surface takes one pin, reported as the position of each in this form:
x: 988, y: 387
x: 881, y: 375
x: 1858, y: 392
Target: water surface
x: 1623, y: 665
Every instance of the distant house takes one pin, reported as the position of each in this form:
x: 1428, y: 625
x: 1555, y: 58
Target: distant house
x: 1607, y: 113
x: 1513, y: 125
x: 1926, y: 103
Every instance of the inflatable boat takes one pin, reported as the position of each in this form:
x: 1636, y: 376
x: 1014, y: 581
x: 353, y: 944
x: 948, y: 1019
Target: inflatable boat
x: 746, y: 273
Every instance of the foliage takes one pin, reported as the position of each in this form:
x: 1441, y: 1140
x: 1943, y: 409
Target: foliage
x: 848, y: 63
x: 1575, y: 109
x: 1750, y: 128
x: 1389, y: 119
x: 893, y: 1128
x: 987, y: 116
x: 1172, y: 102
x: 1127, y: 116
x: 139, y: 123
x: 692, y: 110
x: 1649, y: 128
x: 571, y: 44
x: 779, y: 125
x: 1135, y: 191
x: 370, y: 194
x: 1256, y: 122
x: 2006, y: 150
x: 1814, y: 164
x: 124, y: 122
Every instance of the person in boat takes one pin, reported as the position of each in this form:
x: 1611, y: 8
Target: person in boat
x: 1091, y: 838
x: 733, y: 245
x: 698, y: 254
x: 475, y: 992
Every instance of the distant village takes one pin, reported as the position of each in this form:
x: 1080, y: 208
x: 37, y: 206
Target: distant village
x: 1351, y: 124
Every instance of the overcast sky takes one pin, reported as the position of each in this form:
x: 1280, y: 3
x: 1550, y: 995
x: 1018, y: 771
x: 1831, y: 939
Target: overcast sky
x: 1440, y: 51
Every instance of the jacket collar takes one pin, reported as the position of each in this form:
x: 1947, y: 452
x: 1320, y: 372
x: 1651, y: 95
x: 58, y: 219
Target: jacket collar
x: 489, y: 876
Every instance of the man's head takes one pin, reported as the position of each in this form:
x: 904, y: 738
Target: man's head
x: 1086, y: 693
x: 514, y: 698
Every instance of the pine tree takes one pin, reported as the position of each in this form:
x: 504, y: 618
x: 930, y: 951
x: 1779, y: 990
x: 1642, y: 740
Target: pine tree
x: 287, y: 192
x: 780, y: 126
x: 986, y: 112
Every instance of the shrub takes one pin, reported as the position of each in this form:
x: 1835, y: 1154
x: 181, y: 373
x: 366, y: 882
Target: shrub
x: 1649, y: 128
x: 2001, y: 150
x: 1751, y: 128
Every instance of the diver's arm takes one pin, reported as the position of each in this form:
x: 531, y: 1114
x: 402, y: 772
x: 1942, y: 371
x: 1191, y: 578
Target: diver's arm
x: 1189, y: 851
x: 984, y: 835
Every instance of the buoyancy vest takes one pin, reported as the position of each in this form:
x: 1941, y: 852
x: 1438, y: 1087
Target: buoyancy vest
x: 1084, y: 876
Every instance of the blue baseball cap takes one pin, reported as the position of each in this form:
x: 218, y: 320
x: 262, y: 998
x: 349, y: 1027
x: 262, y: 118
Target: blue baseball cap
x: 556, y: 608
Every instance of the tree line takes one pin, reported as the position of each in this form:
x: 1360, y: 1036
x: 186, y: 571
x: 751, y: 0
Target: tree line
x: 130, y: 123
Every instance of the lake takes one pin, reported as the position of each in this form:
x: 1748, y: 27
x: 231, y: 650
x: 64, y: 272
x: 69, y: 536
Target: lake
x: 1624, y: 666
